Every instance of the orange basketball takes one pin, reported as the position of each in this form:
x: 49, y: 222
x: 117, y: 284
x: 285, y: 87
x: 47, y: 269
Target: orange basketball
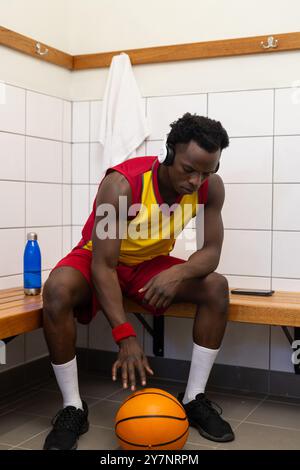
x: 151, y: 419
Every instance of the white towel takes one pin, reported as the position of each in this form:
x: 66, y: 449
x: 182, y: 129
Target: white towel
x: 123, y: 125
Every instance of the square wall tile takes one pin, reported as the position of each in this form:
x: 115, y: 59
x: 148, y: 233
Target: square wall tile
x: 12, y: 245
x: 43, y: 204
x: 80, y: 204
x: 286, y: 254
x: 12, y: 156
x: 67, y: 204
x: 248, y: 206
x: 43, y: 160
x: 12, y: 110
x: 100, y: 336
x: 243, y: 113
x: 287, y: 111
x: 281, y: 350
x: 96, y: 114
x: 80, y: 163
x: 81, y: 121
x: 140, y: 151
x: 185, y: 245
x: 162, y: 111
x: 12, y: 207
x: 245, y: 345
x: 287, y: 159
x: 247, y: 160
x: 153, y: 147
x: 35, y: 345
x: 178, y: 338
x: 44, y: 116
x: 82, y: 335
x: 9, y: 282
x: 290, y: 285
x: 286, y: 207
x: 246, y: 252
x: 67, y: 240
x: 248, y: 282
x: 14, y: 354
x: 76, y: 234
x: 45, y: 275
x: 93, y: 194
x: 67, y: 163
x: 50, y: 241
x: 67, y: 121
x: 96, y: 172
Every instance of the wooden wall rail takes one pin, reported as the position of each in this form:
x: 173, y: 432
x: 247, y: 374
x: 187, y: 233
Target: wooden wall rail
x: 150, y: 55
x: 27, y: 45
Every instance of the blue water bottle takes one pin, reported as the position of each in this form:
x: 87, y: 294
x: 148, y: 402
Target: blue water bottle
x: 32, y: 266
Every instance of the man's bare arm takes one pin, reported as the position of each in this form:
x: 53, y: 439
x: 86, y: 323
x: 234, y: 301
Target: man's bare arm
x: 105, y: 279
x: 106, y: 252
x: 206, y: 260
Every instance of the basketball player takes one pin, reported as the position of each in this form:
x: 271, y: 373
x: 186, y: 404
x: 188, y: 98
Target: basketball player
x: 100, y: 270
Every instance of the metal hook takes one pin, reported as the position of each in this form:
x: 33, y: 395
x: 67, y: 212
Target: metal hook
x: 271, y: 43
x: 38, y: 49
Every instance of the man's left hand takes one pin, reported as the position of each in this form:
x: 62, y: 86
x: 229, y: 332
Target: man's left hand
x: 162, y: 288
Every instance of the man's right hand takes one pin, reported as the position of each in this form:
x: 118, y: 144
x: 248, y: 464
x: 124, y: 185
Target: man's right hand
x: 131, y: 356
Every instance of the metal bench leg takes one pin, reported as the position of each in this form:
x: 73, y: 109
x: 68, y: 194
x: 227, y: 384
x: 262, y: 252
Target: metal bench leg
x: 157, y: 332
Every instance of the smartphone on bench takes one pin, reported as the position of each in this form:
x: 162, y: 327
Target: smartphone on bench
x: 261, y: 292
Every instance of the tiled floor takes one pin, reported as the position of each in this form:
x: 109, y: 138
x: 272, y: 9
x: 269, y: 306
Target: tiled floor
x: 260, y: 422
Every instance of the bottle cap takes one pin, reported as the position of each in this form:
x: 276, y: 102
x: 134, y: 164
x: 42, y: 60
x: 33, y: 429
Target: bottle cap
x: 31, y: 236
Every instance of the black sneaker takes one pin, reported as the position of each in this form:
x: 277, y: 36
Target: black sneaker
x: 203, y: 416
x: 68, y: 425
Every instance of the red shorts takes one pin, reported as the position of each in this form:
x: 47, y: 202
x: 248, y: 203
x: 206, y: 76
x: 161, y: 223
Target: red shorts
x: 131, y: 278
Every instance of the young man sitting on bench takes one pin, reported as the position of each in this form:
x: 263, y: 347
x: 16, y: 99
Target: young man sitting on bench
x: 100, y: 269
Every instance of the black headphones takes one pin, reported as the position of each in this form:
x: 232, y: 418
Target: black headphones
x: 167, y: 155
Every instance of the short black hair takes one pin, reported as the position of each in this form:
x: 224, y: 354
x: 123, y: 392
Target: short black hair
x: 208, y: 133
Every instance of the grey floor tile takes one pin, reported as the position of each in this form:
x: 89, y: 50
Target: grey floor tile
x: 5, y: 447
x: 233, y: 406
x: 277, y: 414
x: 36, y: 442
x: 189, y: 446
x: 103, y: 413
x: 258, y: 437
x: 16, y: 427
x: 44, y: 403
x: 98, y: 438
x: 195, y: 438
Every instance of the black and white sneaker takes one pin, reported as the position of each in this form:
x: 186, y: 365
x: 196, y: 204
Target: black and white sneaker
x: 207, y: 419
x: 68, y: 425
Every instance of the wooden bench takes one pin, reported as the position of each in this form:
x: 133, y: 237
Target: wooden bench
x: 20, y: 313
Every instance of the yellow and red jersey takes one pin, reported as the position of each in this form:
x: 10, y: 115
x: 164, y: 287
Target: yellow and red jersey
x: 153, y: 228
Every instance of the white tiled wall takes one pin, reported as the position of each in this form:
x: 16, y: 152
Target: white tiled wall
x: 35, y: 191
x: 260, y: 214
x: 57, y: 167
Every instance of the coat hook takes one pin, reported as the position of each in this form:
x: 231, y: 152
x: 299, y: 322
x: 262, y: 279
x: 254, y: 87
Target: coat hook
x: 271, y: 43
x: 38, y: 49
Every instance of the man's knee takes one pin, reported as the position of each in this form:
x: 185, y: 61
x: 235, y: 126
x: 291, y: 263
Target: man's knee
x: 217, y: 292
x: 57, y: 299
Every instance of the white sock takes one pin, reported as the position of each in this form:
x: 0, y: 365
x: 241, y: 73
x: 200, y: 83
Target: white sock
x: 201, y: 365
x: 67, y: 379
